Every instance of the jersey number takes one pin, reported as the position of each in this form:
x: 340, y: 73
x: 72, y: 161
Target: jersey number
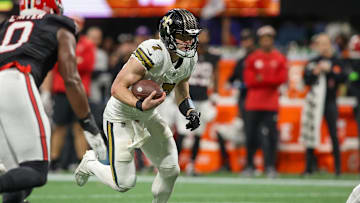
x: 25, y: 26
x: 168, y: 87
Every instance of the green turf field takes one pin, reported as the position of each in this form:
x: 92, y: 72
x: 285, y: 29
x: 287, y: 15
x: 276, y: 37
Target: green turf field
x: 209, y: 189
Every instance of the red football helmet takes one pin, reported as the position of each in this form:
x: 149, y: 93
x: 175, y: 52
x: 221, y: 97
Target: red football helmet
x: 49, y: 6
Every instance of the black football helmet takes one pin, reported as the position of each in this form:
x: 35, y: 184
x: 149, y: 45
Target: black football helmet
x: 179, y: 21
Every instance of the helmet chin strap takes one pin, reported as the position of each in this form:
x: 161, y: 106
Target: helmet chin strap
x: 185, y: 54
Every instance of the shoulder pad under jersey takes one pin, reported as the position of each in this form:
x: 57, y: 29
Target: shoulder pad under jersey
x: 150, y: 53
x: 61, y: 22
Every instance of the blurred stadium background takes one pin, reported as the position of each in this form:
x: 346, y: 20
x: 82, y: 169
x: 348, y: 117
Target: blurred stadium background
x: 125, y: 22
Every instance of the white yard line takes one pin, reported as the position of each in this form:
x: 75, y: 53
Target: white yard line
x: 231, y: 181
x: 278, y: 195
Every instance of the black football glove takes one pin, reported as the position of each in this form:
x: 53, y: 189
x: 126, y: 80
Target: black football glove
x: 194, y: 120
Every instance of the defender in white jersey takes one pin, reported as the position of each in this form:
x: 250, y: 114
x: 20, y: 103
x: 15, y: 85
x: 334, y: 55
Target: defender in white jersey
x: 132, y: 123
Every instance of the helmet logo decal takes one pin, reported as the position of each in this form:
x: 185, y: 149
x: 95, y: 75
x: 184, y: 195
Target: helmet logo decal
x: 167, y: 21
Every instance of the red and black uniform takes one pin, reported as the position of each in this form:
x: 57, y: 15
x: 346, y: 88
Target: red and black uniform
x: 28, y: 50
x: 33, y: 42
x: 264, y: 73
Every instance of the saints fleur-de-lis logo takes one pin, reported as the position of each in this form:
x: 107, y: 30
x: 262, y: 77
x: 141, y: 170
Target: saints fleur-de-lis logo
x: 167, y: 21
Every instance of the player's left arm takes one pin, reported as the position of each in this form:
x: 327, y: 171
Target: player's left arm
x: 186, y: 106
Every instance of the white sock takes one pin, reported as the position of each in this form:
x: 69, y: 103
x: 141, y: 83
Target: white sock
x: 103, y: 172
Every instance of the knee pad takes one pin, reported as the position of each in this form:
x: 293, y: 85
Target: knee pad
x: 42, y: 167
x: 169, y: 172
x: 126, y: 184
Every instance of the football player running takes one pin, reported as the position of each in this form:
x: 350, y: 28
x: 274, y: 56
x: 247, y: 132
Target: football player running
x: 132, y: 123
x: 31, y: 44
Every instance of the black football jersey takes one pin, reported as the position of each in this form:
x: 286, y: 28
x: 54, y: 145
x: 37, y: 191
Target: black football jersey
x: 201, y: 78
x: 32, y: 40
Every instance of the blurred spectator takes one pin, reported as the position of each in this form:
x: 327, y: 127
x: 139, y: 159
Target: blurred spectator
x: 142, y: 33
x: 237, y: 79
x: 265, y: 70
x: 63, y: 116
x: 323, y: 74
x: 121, y: 53
x: 201, y: 79
x: 101, y: 79
x: 290, y: 32
x: 341, y: 45
x: 108, y: 45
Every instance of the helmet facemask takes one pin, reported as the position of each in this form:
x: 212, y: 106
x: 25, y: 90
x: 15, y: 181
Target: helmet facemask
x: 182, y: 22
x: 190, y: 50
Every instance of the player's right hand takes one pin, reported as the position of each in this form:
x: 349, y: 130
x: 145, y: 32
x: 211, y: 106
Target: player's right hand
x: 150, y: 103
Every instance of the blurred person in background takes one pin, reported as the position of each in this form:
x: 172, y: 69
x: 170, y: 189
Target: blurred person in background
x: 108, y: 45
x: 101, y: 78
x: 63, y: 116
x: 121, y: 53
x: 341, y: 45
x: 323, y: 74
x: 201, y: 80
x: 265, y: 70
x: 248, y: 43
x: 142, y: 33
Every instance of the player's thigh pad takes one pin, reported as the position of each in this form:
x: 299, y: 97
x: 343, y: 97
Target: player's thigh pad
x: 23, y: 119
x: 160, y: 148
x: 119, y: 136
x: 168, y: 110
x: 6, y: 155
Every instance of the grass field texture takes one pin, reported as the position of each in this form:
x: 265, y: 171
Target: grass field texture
x: 209, y: 189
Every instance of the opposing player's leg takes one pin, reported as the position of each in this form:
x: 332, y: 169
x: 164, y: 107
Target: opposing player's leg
x: 354, y: 197
x: 120, y: 175
x: 24, y: 150
x: 14, y: 197
x: 162, y: 152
